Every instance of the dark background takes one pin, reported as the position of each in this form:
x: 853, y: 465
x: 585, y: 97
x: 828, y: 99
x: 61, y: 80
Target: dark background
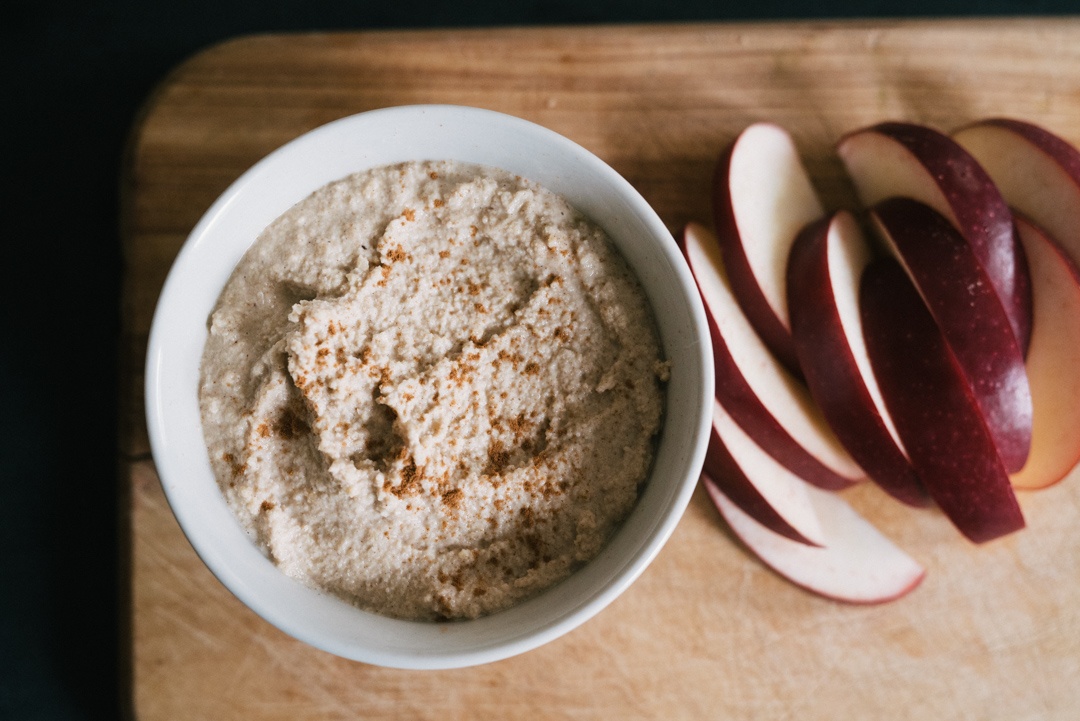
x: 73, y: 77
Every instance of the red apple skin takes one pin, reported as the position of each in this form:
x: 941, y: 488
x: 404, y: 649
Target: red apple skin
x: 1037, y: 172
x: 959, y: 188
x: 725, y: 472
x: 959, y: 294
x: 739, y: 400
x: 773, y: 331
x: 932, y: 406
x: 831, y: 371
x: 1053, y: 361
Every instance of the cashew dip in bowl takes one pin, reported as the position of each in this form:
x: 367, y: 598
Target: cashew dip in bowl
x: 429, y: 386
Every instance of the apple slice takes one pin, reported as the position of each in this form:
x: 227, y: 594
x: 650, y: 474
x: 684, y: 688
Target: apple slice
x: 913, y: 161
x: 826, y: 263
x: 764, y: 399
x: 755, y: 482
x: 856, y: 563
x: 1053, y: 362
x: 762, y: 197
x: 1037, y: 172
x: 933, y: 408
x: 960, y: 296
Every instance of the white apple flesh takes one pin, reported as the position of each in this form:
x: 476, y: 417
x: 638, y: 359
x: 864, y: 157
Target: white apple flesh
x: 1053, y: 361
x: 1037, y: 172
x: 754, y: 388
x: 855, y: 563
x: 762, y: 197
x: 913, y: 161
x: 932, y: 405
x: 826, y: 263
x: 960, y: 296
x: 755, y: 482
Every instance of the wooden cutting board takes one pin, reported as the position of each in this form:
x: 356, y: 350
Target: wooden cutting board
x: 707, y: 632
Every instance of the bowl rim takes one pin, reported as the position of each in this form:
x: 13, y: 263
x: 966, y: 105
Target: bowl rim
x: 171, y: 461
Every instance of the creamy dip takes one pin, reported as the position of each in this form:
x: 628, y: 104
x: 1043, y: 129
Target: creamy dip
x: 431, y: 389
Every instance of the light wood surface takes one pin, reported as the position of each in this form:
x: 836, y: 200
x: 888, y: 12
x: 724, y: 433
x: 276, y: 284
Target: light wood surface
x: 707, y: 633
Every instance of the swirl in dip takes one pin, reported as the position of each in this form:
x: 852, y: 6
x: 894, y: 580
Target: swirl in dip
x: 431, y: 389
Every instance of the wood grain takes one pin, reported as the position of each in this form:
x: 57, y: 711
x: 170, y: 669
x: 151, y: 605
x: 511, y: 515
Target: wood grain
x: 992, y: 633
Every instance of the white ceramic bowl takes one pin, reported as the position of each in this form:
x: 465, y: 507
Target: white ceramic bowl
x: 287, y: 176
